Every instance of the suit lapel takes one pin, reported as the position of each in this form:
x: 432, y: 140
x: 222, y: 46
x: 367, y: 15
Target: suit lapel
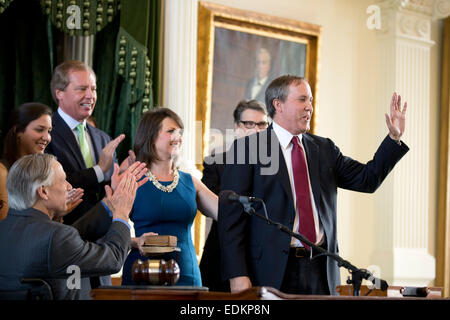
x: 312, y: 156
x: 282, y: 174
x: 96, y: 141
x: 67, y: 137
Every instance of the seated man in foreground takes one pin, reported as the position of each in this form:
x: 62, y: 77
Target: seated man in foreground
x: 34, y: 246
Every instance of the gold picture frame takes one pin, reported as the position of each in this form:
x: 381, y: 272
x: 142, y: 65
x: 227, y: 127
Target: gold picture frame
x: 212, y: 16
x: 443, y: 226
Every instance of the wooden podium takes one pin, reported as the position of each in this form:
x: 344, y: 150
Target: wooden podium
x: 254, y: 293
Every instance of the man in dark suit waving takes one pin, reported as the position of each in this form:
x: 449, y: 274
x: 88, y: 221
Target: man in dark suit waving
x: 85, y: 152
x: 297, y: 175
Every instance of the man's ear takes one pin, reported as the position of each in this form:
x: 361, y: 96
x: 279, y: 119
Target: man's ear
x: 42, y: 192
x: 277, y: 104
x: 58, y: 94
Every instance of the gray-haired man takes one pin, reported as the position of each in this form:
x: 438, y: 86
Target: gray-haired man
x: 34, y: 246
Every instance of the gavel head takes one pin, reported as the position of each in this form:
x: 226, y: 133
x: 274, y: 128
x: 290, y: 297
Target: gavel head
x: 155, y: 272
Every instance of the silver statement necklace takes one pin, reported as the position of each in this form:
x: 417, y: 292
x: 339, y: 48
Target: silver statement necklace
x: 157, y: 184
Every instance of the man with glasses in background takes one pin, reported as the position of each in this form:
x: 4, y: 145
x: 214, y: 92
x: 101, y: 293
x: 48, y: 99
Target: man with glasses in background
x: 249, y: 117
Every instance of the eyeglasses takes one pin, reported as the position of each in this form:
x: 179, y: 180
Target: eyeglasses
x: 252, y: 124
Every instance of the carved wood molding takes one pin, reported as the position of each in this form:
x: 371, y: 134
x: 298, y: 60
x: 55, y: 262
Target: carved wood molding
x: 441, y: 9
x: 443, y: 226
x: 412, y: 18
x: 438, y: 9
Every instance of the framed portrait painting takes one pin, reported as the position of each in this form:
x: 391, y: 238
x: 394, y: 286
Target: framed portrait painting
x: 239, y: 53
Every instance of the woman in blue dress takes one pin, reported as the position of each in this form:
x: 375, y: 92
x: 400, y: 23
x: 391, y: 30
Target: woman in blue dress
x: 167, y: 204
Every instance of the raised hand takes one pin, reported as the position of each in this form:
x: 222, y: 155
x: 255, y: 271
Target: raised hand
x: 74, y: 198
x: 107, y: 154
x: 121, y: 200
x: 137, y: 169
x: 127, y: 162
x: 397, y: 117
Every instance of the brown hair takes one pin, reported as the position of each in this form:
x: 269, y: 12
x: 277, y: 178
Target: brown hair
x: 20, y: 118
x: 147, y: 133
x: 279, y: 89
x: 60, y: 79
x: 245, y: 105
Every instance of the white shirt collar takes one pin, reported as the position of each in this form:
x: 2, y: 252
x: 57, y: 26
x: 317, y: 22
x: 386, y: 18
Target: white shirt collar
x: 284, y: 136
x: 262, y: 81
x: 71, y: 122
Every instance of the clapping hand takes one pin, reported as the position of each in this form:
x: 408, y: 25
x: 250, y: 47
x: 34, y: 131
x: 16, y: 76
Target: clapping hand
x: 107, y: 154
x: 397, y: 118
x: 121, y: 200
x: 137, y: 169
x: 127, y: 162
x: 74, y: 198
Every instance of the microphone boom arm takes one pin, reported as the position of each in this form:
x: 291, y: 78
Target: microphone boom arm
x: 357, y: 274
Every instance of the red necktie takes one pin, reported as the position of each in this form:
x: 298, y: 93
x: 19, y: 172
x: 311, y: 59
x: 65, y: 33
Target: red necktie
x: 302, y: 192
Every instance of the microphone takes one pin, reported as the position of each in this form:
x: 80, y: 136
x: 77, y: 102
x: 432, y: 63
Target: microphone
x: 234, y: 197
x: 227, y: 196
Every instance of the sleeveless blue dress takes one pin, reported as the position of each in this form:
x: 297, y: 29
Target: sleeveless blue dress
x: 167, y: 213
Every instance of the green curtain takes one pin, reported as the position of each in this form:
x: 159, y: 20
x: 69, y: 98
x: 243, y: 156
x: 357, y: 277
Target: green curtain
x: 125, y: 61
x: 25, y: 58
x: 80, y: 17
x: 125, y: 57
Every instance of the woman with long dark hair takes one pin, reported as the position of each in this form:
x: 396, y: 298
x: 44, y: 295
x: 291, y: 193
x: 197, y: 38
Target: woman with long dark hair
x: 29, y: 132
x: 167, y: 204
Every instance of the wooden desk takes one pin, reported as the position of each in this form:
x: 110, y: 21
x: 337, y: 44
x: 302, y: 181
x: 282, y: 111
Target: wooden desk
x: 191, y: 293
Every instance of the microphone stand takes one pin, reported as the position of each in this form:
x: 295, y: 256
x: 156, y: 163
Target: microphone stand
x: 357, y: 275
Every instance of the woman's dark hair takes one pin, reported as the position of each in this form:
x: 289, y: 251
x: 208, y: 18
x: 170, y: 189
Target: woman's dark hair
x: 20, y: 118
x: 147, y: 133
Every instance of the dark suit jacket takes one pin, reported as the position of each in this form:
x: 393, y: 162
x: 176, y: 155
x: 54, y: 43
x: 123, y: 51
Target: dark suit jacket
x: 251, y: 247
x: 33, y: 246
x: 210, y: 262
x: 66, y: 149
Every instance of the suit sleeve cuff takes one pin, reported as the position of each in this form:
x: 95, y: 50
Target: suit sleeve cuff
x: 99, y: 173
x: 106, y: 208
x: 123, y: 221
x: 116, y: 219
x: 398, y: 143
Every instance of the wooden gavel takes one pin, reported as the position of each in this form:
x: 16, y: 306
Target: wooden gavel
x: 155, y: 272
